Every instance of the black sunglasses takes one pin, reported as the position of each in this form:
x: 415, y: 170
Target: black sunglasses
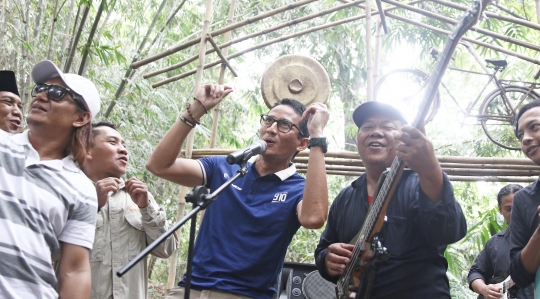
x: 57, y: 93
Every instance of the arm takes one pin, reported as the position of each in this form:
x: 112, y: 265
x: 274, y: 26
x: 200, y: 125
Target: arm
x: 313, y: 209
x: 523, y: 242
x: 164, y: 161
x: 74, y: 272
x: 481, y: 272
x: 417, y: 152
x: 154, y: 220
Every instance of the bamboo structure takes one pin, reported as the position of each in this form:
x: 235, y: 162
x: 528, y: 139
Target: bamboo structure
x: 276, y: 40
x: 219, y: 32
x: 457, y: 168
x: 266, y: 31
x: 369, y: 58
x: 491, y: 15
x: 223, y: 59
x: 217, y: 109
x: 474, y: 28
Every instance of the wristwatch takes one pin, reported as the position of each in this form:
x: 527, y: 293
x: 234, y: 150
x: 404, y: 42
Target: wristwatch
x: 318, y: 142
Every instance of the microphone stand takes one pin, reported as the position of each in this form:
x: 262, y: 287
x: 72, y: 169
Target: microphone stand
x: 200, y: 199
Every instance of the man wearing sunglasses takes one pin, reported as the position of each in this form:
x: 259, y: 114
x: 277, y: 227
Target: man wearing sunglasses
x: 10, y: 103
x: 47, y: 205
x: 244, y: 235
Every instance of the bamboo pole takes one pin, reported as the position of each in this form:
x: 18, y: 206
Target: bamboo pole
x: 76, y: 39
x: 376, y: 62
x: 189, y: 145
x: 51, y: 35
x: 223, y: 59
x: 219, y: 32
x: 68, y: 37
x: 129, y: 72
x: 246, y: 37
x: 483, y: 44
x: 217, y: 108
x: 369, y: 58
x: 474, y: 28
x: 86, y: 50
x: 492, y: 15
x: 276, y: 40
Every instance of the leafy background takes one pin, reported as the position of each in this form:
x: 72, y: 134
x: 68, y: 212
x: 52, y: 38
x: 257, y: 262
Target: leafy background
x: 126, y: 31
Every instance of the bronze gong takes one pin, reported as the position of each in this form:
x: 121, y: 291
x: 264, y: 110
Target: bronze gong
x: 296, y: 77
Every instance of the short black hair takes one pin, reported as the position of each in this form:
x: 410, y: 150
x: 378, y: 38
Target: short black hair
x: 299, y: 108
x: 95, y: 131
x: 506, y: 190
x: 528, y: 106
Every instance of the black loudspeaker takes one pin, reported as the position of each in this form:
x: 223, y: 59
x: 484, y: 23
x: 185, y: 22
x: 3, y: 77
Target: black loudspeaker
x: 303, y: 281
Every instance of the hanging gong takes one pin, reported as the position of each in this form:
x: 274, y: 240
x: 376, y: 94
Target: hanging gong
x: 295, y: 77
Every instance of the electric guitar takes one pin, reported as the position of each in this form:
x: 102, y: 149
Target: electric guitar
x: 357, y: 279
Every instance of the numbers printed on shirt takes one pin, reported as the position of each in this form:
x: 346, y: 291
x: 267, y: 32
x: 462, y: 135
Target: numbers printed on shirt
x: 279, y: 197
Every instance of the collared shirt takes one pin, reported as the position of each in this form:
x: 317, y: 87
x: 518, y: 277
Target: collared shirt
x: 42, y: 203
x: 243, y: 238
x: 122, y: 231
x: 416, y: 235
x: 524, y: 223
x: 494, y: 261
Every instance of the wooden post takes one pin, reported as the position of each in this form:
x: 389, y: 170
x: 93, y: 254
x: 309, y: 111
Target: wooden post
x: 171, y: 280
x: 369, y: 58
x: 213, y: 135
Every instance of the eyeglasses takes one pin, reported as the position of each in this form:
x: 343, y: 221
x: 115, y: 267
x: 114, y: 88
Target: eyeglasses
x: 284, y: 126
x: 57, y: 93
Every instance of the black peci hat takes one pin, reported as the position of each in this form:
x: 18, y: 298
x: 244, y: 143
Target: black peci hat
x: 8, y: 82
x: 372, y: 108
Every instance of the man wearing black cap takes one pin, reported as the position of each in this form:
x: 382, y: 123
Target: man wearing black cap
x: 47, y: 205
x: 10, y: 103
x: 422, y: 217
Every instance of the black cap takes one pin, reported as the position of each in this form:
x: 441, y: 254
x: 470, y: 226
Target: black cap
x: 8, y: 82
x: 368, y: 109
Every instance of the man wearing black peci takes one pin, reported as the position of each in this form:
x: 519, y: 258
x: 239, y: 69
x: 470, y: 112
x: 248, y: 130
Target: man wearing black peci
x: 423, y: 215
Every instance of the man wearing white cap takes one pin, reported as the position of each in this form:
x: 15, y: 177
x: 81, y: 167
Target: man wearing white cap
x: 10, y: 103
x: 46, y: 201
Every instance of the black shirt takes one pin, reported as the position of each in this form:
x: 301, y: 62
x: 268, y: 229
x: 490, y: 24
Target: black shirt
x: 524, y: 222
x: 416, y: 235
x: 494, y: 261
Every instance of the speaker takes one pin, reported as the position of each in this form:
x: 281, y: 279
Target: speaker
x: 303, y: 281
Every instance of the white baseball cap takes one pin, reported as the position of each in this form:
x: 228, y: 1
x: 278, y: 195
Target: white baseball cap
x: 46, y: 70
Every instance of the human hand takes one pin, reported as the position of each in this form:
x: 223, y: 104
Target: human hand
x: 416, y: 150
x: 338, y: 255
x: 138, y: 192
x: 492, y: 291
x: 319, y: 117
x: 104, y: 186
x: 209, y: 95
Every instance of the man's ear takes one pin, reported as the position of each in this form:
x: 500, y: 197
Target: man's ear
x: 303, y: 144
x: 82, y: 120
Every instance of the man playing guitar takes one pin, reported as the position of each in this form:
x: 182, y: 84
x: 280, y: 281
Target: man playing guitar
x: 422, y: 217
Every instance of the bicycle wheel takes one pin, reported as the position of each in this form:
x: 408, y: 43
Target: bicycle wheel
x: 498, y: 115
x: 404, y: 89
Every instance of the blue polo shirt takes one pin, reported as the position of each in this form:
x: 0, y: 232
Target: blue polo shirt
x: 243, y: 238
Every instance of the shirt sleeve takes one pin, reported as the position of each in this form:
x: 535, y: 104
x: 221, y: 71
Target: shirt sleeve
x: 154, y: 222
x: 519, y: 237
x: 482, y: 267
x: 442, y: 223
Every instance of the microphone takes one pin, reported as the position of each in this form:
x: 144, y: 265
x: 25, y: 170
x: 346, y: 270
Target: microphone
x: 258, y: 147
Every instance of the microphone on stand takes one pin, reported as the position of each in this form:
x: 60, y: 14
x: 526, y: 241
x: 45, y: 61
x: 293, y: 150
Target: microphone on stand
x: 241, y: 156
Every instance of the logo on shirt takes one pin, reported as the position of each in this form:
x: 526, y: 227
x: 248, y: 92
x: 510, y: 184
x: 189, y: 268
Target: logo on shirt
x: 226, y: 176
x: 280, y: 197
x: 236, y: 187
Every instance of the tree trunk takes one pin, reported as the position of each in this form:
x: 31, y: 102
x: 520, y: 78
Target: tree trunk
x: 151, y: 264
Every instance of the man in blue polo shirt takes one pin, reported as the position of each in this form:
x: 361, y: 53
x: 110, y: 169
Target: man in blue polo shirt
x: 243, y: 238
